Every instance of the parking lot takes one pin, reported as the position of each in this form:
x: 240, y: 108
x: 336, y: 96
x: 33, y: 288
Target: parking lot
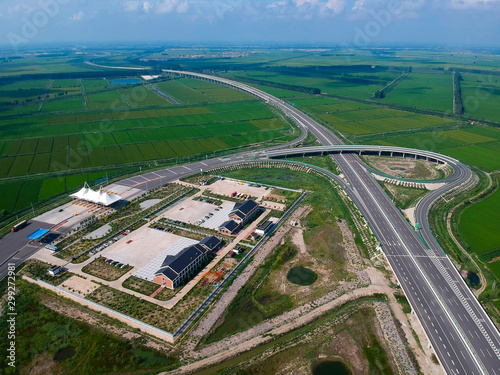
x: 192, y: 211
x: 228, y: 187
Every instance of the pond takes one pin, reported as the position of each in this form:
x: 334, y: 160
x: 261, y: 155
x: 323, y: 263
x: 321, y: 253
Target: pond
x: 64, y: 354
x: 473, y: 278
x: 331, y: 368
x: 127, y: 81
x: 301, y: 276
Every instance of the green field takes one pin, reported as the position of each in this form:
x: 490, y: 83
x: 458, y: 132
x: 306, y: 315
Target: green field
x: 20, y: 195
x: 481, y: 95
x: 73, y: 140
x: 356, y: 85
x: 122, y: 126
x: 495, y: 268
x: 478, y: 225
x: 363, y: 119
x: 431, y: 91
x: 70, y: 104
x: 476, y: 146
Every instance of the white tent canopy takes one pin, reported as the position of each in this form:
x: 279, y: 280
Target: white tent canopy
x: 100, y: 197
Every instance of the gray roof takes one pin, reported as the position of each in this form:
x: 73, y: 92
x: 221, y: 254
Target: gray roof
x: 244, y: 207
x: 230, y: 225
x: 167, y: 271
x: 265, y: 225
x: 172, y: 266
x: 211, y: 242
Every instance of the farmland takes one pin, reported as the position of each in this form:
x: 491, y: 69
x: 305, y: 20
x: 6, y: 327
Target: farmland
x: 20, y: 195
x: 122, y: 125
x: 431, y: 91
x: 479, y: 226
x: 481, y: 94
x: 356, y: 85
x: 361, y: 119
x: 495, y: 268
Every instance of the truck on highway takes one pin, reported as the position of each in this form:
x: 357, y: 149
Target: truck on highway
x: 21, y: 225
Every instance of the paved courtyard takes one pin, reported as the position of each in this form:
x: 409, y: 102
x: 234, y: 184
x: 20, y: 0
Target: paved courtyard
x: 146, y: 243
x: 148, y: 271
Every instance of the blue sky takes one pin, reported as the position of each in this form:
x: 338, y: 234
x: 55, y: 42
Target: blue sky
x: 352, y: 22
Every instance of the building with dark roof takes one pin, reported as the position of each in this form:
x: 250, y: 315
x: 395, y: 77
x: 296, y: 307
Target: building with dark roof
x: 243, y: 212
x: 211, y: 243
x: 175, y: 269
x: 229, y: 227
x: 264, y: 228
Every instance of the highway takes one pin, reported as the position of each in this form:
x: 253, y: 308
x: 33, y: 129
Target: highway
x: 463, y: 336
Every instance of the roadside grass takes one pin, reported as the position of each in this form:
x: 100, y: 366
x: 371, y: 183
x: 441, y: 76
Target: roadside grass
x: 478, y: 226
x: 403, y: 197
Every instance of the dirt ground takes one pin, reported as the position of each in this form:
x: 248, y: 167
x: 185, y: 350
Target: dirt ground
x: 44, y: 364
x: 76, y: 284
x: 407, y: 167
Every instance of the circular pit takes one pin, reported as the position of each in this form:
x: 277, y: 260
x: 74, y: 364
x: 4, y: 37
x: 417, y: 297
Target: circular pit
x: 301, y: 276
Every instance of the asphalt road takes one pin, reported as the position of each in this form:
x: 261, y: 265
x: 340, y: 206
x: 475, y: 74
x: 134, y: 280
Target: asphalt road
x: 463, y: 336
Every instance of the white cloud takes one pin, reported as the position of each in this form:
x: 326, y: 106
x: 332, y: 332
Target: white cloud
x: 77, y: 16
x: 359, y: 6
x: 410, y: 8
x: 170, y: 6
x: 336, y: 6
x: 166, y: 6
x: 300, y: 3
x: 147, y: 6
x: 19, y: 7
x: 183, y: 7
x: 466, y: 4
x: 277, y: 4
x: 131, y: 6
